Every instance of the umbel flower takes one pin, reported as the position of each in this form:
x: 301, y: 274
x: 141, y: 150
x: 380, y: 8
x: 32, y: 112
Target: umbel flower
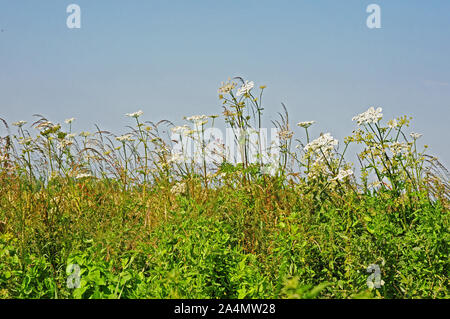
x: 135, y: 114
x: 306, y: 124
x: 415, y: 136
x: 69, y: 121
x: 198, y: 119
x: 19, y: 123
x: 227, y: 87
x: 369, y: 116
x: 325, y: 143
x: 180, y: 129
x: 125, y: 138
x: 178, y: 188
x: 245, y: 88
x: 343, y: 174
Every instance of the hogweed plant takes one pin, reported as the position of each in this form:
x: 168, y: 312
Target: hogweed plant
x: 169, y: 211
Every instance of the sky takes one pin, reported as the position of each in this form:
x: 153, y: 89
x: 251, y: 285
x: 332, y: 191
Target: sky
x: 168, y: 58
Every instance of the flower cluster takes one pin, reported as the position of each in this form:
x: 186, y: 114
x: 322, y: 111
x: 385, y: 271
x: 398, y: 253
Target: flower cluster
x: 343, y: 174
x: 369, y: 116
x: 125, y: 138
x: 227, y: 87
x: 245, y: 88
x: 306, y: 124
x: 178, y: 189
x: 135, y: 114
x: 324, y: 143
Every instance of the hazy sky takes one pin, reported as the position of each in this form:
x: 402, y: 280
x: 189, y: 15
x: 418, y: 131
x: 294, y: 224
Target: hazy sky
x: 169, y: 57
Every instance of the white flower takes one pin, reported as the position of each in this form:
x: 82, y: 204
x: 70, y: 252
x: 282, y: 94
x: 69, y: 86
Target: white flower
x: 369, y: 116
x: 71, y: 136
x: 399, y: 148
x: 83, y: 175
x: 415, y: 136
x: 19, y: 123
x: 392, y: 124
x: 226, y: 87
x: 180, y: 129
x: 178, y: 188
x: 85, y: 134
x: 69, y: 121
x: 306, y: 124
x: 198, y: 119
x: 44, y: 125
x: 343, y: 174
x: 125, y: 138
x: 245, y: 88
x: 325, y: 142
x: 64, y: 143
x: 135, y: 114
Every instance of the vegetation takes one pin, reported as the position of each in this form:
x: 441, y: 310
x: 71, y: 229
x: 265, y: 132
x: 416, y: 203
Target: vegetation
x: 126, y: 217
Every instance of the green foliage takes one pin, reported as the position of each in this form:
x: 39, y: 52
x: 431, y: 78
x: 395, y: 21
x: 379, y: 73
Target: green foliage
x: 88, y: 218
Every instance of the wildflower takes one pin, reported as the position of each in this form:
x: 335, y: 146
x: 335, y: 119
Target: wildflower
x: 393, y: 124
x: 85, y: 134
x: 44, y: 125
x: 399, y: 148
x: 69, y: 121
x: 19, y: 123
x: 343, y: 174
x: 227, y: 87
x: 65, y: 143
x: 325, y: 142
x: 415, y: 136
x: 285, y: 135
x: 135, y: 114
x: 180, y: 129
x: 369, y: 116
x: 306, y: 124
x: 178, y: 188
x: 83, y: 175
x: 245, y: 88
x: 71, y: 136
x: 125, y: 138
x: 198, y: 119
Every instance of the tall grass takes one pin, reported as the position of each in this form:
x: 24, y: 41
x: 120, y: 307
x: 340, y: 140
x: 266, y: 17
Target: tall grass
x: 142, y: 221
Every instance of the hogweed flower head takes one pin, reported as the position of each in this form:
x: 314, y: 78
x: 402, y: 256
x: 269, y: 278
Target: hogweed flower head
x: 125, y: 138
x: 325, y: 142
x: 306, y: 124
x: 178, y: 188
x: 393, y: 124
x: 85, y: 134
x: 226, y: 87
x: 343, y: 174
x: 20, y: 123
x: 245, y: 88
x: 135, y: 114
x: 415, y: 136
x: 369, y: 116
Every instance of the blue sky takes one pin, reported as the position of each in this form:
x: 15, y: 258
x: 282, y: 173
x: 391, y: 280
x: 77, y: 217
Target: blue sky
x: 169, y: 57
